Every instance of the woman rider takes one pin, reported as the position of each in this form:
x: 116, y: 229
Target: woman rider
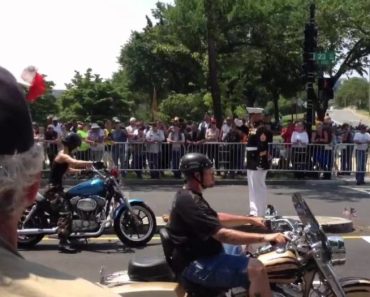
x: 64, y: 162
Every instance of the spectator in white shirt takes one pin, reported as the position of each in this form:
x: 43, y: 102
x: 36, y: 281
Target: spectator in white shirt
x: 132, y: 130
x: 299, y: 135
x: 177, y: 138
x: 362, y: 140
x: 154, y: 138
x: 226, y: 127
x: 299, y: 141
x: 96, y: 137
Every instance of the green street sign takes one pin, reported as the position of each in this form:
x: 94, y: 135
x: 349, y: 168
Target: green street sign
x: 324, y: 57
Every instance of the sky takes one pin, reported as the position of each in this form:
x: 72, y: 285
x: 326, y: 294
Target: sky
x: 61, y: 36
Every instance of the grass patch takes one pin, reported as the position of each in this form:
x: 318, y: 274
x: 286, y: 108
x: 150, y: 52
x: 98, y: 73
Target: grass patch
x: 288, y: 117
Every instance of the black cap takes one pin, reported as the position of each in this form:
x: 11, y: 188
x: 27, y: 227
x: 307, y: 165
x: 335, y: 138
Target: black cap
x: 15, y: 120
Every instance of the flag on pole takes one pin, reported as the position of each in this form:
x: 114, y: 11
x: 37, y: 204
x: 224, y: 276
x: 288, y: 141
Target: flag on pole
x: 37, y: 86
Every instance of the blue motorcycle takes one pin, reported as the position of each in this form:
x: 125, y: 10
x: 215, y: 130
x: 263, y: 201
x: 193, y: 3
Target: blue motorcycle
x: 97, y: 204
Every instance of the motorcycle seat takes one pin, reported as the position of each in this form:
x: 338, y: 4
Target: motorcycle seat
x: 149, y: 269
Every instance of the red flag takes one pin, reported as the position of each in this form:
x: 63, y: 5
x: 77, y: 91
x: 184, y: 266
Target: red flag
x: 37, y: 88
x: 37, y: 84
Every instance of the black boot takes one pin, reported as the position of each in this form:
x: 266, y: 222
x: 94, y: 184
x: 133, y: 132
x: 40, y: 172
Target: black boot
x: 65, y: 247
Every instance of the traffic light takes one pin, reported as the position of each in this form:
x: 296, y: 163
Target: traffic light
x: 325, y: 84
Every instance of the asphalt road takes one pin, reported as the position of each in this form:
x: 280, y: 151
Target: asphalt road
x: 348, y: 116
x: 324, y: 199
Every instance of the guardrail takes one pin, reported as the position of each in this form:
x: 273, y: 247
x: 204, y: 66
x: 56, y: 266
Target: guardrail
x: 229, y: 158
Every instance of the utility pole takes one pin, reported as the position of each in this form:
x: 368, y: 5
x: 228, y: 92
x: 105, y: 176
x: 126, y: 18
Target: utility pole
x: 309, y: 65
x: 369, y: 89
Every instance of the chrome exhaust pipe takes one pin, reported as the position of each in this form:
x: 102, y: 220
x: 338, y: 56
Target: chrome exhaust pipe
x: 35, y: 231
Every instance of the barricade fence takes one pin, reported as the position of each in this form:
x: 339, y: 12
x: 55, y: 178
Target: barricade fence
x: 228, y: 158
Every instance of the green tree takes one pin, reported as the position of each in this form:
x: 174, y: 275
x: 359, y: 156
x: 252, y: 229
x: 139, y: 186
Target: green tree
x: 156, y: 63
x: 353, y: 92
x: 89, y: 97
x: 187, y: 106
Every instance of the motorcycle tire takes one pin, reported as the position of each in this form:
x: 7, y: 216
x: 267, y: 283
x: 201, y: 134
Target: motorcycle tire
x: 356, y: 286
x: 29, y: 241
x: 127, y: 229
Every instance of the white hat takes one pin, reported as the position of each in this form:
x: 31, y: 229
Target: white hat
x: 255, y: 110
x: 238, y: 122
x: 95, y: 126
x: 132, y: 119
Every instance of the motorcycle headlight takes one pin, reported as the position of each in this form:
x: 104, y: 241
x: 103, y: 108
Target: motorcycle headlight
x: 338, y: 250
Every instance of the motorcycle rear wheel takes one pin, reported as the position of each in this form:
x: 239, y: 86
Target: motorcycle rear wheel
x: 135, y: 233
x: 29, y: 241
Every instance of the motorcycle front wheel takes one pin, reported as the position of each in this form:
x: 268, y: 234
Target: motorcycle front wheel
x: 137, y: 228
x: 29, y: 241
x: 352, y: 286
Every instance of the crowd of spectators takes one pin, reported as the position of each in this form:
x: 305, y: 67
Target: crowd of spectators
x: 155, y: 146
x: 316, y: 152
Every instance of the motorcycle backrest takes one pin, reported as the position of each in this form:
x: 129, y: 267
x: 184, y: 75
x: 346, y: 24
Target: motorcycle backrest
x: 166, y: 244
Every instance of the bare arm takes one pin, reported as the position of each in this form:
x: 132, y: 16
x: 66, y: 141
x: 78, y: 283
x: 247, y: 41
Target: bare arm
x: 78, y: 164
x: 231, y: 236
x: 231, y: 220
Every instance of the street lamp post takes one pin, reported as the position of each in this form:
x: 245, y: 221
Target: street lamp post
x: 310, y: 44
x: 369, y: 89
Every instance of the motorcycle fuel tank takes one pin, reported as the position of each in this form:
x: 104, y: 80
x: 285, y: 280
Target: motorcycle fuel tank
x: 93, y: 186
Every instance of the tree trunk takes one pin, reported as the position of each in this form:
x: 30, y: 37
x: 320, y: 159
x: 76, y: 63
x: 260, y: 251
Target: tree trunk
x: 212, y: 61
x: 276, y: 107
x: 321, y: 109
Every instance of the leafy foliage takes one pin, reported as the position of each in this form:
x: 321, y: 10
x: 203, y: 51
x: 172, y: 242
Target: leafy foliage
x: 256, y: 48
x: 88, y: 97
x: 188, y: 106
x: 353, y: 92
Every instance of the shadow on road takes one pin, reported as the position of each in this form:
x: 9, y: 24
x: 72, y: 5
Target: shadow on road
x: 93, y: 247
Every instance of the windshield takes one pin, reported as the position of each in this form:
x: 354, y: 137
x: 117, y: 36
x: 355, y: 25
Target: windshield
x: 308, y: 219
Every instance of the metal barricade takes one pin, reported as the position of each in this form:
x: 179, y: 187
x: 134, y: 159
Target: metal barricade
x: 155, y: 159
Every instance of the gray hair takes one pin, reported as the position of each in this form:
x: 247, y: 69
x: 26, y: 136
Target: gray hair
x: 17, y: 173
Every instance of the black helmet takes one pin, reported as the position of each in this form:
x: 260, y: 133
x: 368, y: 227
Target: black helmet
x: 194, y: 162
x: 72, y: 141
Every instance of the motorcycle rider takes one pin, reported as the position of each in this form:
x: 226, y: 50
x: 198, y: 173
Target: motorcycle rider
x: 64, y: 162
x: 197, y: 233
x: 20, y: 170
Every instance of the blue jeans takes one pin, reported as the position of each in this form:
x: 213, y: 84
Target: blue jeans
x: 118, y: 153
x: 361, y: 159
x: 153, y: 159
x: 221, y: 271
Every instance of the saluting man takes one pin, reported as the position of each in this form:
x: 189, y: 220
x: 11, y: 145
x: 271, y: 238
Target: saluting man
x: 257, y: 167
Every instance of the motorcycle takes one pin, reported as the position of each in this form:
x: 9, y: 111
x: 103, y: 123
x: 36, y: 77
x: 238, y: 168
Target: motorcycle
x: 97, y: 205
x: 302, y: 267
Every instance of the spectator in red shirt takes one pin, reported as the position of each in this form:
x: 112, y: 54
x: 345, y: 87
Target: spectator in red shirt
x: 286, y: 132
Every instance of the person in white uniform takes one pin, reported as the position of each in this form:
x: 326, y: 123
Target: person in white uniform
x: 257, y: 167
